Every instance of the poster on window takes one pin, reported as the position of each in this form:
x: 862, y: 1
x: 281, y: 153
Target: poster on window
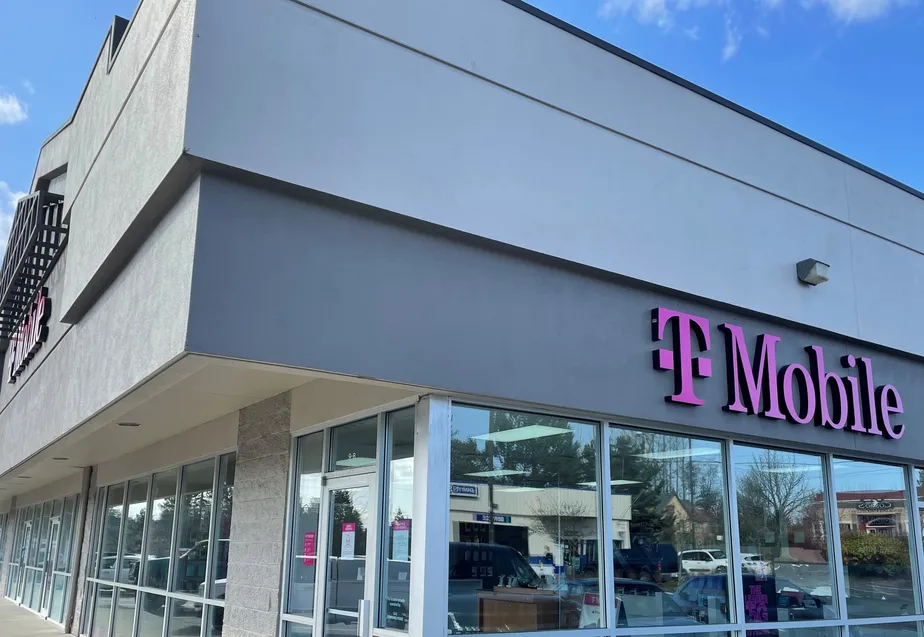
x: 590, y: 610
x: 310, y: 549
x: 348, y: 541
x: 401, y: 537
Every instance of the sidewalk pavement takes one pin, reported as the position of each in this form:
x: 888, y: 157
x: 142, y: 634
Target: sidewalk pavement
x: 16, y: 621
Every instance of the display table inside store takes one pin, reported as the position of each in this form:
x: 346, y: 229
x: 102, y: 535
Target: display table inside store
x: 523, y: 610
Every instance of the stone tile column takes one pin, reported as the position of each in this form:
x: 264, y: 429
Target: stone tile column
x: 255, y: 561
x: 89, y: 514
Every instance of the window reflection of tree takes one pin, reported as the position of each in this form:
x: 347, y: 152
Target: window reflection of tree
x: 562, y: 461
x: 676, y: 496
x: 776, y: 493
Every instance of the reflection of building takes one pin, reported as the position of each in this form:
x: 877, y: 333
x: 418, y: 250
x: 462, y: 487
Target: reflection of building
x: 873, y: 512
x: 522, y: 519
x: 696, y: 527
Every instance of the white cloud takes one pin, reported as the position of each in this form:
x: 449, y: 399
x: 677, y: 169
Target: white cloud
x: 732, y: 40
x: 8, y: 199
x: 857, y: 10
x: 692, y: 32
x: 663, y: 12
x: 763, y: 32
x: 30, y: 88
x: 12, y: 111
x: 847, y: 10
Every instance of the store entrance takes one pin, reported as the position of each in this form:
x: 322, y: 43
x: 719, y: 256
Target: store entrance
x: 348, y: 530
x: 48, y: 566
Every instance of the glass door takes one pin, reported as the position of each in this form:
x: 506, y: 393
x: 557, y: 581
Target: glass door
x: 50, y: 555
x: 349, y: 513
x: 23, y: 557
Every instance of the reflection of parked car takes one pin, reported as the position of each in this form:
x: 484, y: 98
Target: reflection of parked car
x: 765, y: 599
x: 754, y: 563
x: 702, y: 561
x: 190, y: 567
x: 646, y: 604
x: 128, y: 573
x: 649, y: 562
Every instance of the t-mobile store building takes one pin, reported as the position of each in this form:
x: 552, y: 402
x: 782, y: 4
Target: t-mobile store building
x: 328, y: 319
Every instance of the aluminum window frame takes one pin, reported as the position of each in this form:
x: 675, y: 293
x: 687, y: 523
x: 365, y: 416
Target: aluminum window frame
x: 738, y: 626
x: 374, y: 539
x: 93, y: 582
x: 434, y: 411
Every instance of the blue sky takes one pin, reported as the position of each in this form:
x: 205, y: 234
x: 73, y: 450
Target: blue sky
x: 847, y: 73
x: 47, y: 48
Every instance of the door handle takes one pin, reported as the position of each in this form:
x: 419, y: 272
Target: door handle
x: 364, y: 621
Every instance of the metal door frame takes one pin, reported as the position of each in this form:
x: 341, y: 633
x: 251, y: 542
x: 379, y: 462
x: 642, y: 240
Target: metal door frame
x: 48, y: 568
x: 328, y: 485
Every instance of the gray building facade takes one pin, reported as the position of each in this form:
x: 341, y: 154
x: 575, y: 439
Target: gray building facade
x: 334, y: 319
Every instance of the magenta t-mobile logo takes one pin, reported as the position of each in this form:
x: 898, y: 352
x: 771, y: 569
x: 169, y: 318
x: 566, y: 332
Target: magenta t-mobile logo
x: 680, y: 359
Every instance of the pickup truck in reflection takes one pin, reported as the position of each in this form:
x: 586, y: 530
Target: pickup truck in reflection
x: 190, y: 570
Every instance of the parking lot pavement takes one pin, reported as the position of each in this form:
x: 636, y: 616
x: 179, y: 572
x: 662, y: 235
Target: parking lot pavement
x: 19, y: 622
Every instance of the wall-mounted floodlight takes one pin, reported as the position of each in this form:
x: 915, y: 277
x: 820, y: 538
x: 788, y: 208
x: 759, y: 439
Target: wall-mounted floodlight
x: 812, y: 271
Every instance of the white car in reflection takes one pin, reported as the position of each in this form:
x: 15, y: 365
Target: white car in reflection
x: 754, y: 563
x: 703, y: 562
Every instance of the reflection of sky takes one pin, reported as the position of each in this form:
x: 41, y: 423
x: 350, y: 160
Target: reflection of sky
x: 402, y: 487
x: 784, y: 463
x: 851, y: 475
x: 468, y: 422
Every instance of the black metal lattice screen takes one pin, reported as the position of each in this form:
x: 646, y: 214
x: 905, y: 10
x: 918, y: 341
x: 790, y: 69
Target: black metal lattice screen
x: 36, y: 240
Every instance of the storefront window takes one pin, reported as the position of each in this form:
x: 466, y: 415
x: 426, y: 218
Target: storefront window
x: 185, y: 619
x: 399, y: 508
x: 182, y: 534
x: 124, y: 617
x: 785, y: 564
x: 192, y: 538
x: 133, y: 531
x: 873, y: 519
x: 222, y: 532
x: 901, y: 629
x: 151, y: 615
x: 112, y: 525
x: 67, y: 531
x: 524, y: 549
x: 160, y: 529
x: 103, y: 611
x: 304, y: 564
x: 353, y: 445
x: 670, y: 544
x: 829, y: 631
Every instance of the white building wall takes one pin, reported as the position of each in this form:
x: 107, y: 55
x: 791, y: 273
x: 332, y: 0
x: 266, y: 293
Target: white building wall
x: 546, y: 142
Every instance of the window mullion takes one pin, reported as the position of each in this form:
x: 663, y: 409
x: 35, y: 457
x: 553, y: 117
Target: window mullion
x: 735, y: 574
x: 914, y: 532
x: 833, y: 517
x: 605, y: 530
x: 213, y: 521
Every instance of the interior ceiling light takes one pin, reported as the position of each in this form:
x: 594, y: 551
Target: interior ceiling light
x: 682, y: 453
x: 529, y: 432
x: 812, y: 271
x: 497, y: 473
x: 355, y: 462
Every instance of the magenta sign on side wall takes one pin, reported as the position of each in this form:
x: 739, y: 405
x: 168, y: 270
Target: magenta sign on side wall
x: 800, y: 392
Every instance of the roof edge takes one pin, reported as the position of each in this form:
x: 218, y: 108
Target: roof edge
x: 86, y: 84
x: 703, y: 92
